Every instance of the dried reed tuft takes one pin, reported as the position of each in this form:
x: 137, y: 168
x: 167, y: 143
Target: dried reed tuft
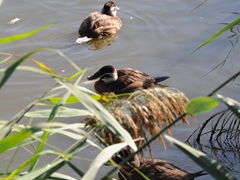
x: 144, y: 111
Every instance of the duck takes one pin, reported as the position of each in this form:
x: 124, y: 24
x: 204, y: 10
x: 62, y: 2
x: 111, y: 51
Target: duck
x: 99, y: 24
x: 152, y: 168
x: 125, y: 80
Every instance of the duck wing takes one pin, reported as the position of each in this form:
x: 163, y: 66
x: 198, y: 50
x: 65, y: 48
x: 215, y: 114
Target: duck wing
x: 130, y: 80
x: 160, y: 169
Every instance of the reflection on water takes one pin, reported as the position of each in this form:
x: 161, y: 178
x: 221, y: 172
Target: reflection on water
x: 219, y: 137
x: 96, y: 44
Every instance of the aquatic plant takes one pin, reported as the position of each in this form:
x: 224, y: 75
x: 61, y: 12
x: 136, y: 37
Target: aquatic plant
x: 222, y: 133
x: 143, y: 112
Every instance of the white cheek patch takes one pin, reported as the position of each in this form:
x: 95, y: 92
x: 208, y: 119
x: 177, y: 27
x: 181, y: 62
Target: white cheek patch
x: 109, y: 77
x: 107, y: 80
x: 114, y: 11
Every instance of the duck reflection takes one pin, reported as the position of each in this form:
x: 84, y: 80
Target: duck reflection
x: 96, y: 44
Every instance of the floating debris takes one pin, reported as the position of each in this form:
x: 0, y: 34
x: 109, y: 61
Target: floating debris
x: 14, y: 20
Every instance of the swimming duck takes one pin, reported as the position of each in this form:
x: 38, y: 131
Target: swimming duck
x: 99, y: 24
x: 111, y: 80
x: 153, y: 169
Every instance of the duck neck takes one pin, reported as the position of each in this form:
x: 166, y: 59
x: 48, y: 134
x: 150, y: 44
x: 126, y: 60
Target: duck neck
x: 109, y: 12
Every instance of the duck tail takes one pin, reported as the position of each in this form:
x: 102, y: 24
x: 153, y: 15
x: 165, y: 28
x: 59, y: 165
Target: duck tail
x: 160, y: 78
x: 82, y: 39
x: 200, y: 173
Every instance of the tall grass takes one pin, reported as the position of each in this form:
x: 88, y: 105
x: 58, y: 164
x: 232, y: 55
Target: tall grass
x: 15, y: 136
x: 39, y: 134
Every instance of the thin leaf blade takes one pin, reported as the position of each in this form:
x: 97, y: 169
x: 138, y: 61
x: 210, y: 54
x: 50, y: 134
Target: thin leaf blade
x: 233, y: 105
x: 102, y: 158
x: 9, y: 71
x: 17, y: 37
x: 15, y: 139
x: 225, y: 28
x: 100, y: 112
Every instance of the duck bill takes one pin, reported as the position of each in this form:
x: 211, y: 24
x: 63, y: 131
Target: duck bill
x: 95, y: 76
x: 91, y: 78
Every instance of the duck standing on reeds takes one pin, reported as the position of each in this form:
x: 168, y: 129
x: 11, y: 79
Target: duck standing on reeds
x: 111, y: 80
x: 154, y: 169
x: 99, y: 24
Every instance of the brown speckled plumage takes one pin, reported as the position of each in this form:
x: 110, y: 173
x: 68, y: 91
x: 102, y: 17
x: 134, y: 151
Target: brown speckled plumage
x: 99, y: 24
x: 155, y: 169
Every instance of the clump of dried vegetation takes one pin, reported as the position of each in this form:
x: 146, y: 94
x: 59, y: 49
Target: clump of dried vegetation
x: 144, y: 111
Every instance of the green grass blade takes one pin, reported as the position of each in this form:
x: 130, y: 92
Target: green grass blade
x: 201, y: 104
x: 193, y: 9
x: 100, y: 112
x: 214, y: 168
x: 225, y: 28
x: 14, y: 155
x: 65, y: 112
x: 44, y: 173
x: 38, y: 172
x: 74, y: 131
x: 60, y: 176
x: 74, y: 100
x: 102, y: 158
x: 44, y: 136
x: 47, y: 133
x: 17, y: 37
x: 78, y: 171
x: 147, y: 143
x: 75, y: 75
x: 225, y: 83
x: 7, y: 127
x: 233, y: 105
x: 37, y: 70
x: 21, y: 167
x: 14, y: 139
x: 8, y: 72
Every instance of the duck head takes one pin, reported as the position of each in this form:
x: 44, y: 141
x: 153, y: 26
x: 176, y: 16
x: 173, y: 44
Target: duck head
x: 110, y: 9
x: 107, y: 74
